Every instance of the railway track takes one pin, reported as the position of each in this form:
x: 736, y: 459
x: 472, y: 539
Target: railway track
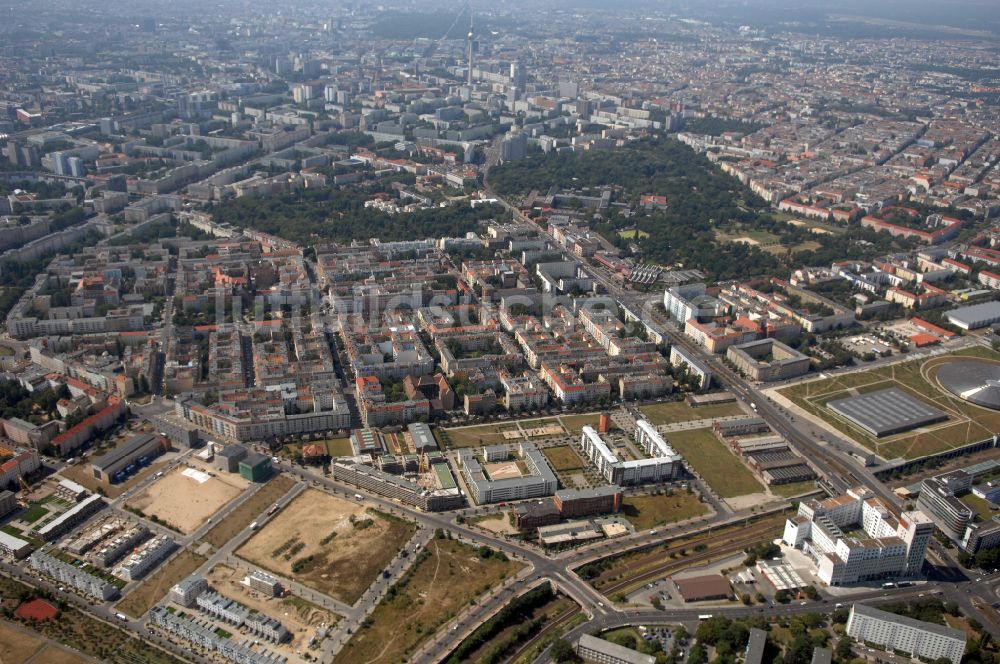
x: 747, y: 536
x: 548, y: 629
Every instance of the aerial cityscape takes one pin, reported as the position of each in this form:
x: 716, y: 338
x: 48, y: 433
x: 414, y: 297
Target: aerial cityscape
x: 633, y: 332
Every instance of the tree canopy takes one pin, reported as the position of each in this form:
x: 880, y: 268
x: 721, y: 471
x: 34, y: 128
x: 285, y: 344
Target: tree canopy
x: 339, y: 215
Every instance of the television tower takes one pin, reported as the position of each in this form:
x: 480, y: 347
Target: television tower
x: 472, y: 44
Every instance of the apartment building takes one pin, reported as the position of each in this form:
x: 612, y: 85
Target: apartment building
x: 768, y: 360
x: 186, y: 591
x: 523, y: 392
x: 680, y: 357
x: 146, y: 557
x: 541, y: 480
x: 255, y: 414
x: 893, y: 632
x: 72, y: 576
x: 663, y: 464
x: 939, y: 499
x: 593, y: 649
x: 203, y: 635
x: 692, y: 301
x: 69, y: 519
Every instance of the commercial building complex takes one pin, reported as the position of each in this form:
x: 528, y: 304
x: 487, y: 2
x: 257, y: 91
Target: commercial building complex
x: 393, y: 486
x: 857, y: 537
x: 916, y: 638
x: 940, y: 499
x: 12, y: 546
x: 137, y: 450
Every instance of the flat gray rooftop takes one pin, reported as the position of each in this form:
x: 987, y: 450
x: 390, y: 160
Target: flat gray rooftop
x: 886, y: 412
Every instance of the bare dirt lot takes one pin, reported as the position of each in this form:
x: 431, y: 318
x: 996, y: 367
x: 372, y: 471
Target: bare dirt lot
x: 238, y: 519
x: 185, y: 502
x: 300, y: 617
x: 497, y: 523
x: 334, y: 546
x: 17, y: 645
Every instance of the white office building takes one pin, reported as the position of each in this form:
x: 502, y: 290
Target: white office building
x: 857, y: 537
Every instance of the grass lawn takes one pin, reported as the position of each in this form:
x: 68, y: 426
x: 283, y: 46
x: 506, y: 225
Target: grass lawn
x: 632, y: 233
x: 981, y: 506
x: 575, y: 423
x: 248, y: 510
x: 726, y: 474
x: 485, y: 434
x: 156, y: 585
x: 966, y: 422
x: 33, y: 513
x: 563, y: 458
x: 338, y: 447
x: 679, y: 411
x: 650, y: 511
x: 793, y: 488
x: 447, y: 578
x: 626, y: 636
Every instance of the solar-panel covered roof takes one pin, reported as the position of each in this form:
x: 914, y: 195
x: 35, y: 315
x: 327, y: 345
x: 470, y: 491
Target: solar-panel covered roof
x: 886, y: 412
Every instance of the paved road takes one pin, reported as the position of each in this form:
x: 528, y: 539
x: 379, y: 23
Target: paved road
x: 838, y: 469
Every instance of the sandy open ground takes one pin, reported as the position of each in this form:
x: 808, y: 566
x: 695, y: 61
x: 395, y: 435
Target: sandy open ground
x: 503, y: 470
x: 315, y: 536
x: 185, y: 502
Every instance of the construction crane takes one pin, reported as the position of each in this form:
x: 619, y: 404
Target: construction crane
x: 22, y: 499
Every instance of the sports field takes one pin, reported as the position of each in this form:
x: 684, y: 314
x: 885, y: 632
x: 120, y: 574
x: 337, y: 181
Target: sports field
x: 966, y: 422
